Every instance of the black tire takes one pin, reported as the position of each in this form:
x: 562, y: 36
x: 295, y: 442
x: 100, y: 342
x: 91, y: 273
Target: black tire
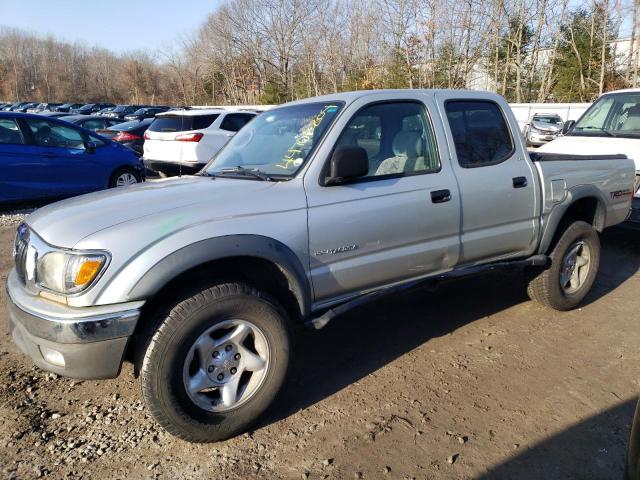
x: 113, y: 180
x: 167, y: 347
x: 544, y: 285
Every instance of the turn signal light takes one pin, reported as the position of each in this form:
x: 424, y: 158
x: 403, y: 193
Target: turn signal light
x: 87, y: 272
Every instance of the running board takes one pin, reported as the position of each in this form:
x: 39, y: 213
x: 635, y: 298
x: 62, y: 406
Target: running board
x: 320, y: 321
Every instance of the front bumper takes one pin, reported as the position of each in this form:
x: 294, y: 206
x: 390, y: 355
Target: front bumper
x: 87, y: 343
x: 540, y: 139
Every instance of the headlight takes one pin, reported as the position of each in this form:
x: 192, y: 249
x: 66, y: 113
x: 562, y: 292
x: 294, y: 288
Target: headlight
x: 67, y: 272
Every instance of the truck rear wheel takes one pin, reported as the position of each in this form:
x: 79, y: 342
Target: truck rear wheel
x: 215, y: 363
x: 574, y: 265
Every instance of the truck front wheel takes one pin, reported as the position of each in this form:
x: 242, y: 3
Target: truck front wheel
x: 215, y: 362
x: 573, y: 269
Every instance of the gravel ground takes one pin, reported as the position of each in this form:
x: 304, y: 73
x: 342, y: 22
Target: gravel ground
x: 470, y: 381
x: 11, y: 218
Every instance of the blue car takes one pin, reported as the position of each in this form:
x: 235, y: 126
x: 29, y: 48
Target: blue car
x: 42, y: 157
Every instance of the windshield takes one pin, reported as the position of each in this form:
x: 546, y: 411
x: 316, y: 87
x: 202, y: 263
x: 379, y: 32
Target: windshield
x: 126, y: 126
x: 277, y: 142
x: 548, y: 120
x: 616, y: 115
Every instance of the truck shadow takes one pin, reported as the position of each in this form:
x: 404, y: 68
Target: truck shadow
x: 594, y: 448
x: 619, y: 261
x: 362, y: 341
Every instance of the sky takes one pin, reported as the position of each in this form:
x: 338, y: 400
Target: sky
x: 118, y: 25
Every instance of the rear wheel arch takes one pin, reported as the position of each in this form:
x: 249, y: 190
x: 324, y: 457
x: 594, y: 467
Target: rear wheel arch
x: 585, y: 204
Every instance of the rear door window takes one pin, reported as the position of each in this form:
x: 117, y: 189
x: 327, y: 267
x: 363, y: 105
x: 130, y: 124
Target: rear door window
x: 9, y: 132
x: 480, y: 132
x: 203, y: 121
x: 235, y: 121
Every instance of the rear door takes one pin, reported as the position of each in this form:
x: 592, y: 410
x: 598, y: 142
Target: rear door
x: 399, y: 222
x: 497, y: 182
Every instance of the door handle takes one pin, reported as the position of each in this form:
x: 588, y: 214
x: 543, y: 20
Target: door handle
x: 519, y: 182
x: 440, y: 196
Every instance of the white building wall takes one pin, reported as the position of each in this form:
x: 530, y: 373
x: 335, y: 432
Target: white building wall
x: 567, y: 111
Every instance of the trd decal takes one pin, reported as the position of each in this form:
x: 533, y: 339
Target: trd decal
x: 620, y: 193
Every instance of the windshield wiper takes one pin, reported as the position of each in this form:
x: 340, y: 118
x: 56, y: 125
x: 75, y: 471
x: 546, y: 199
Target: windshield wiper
x: 603, y: 130
x: 247, y: 172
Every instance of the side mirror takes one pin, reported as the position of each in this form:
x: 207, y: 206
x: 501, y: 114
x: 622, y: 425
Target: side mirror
x: 567, y: 126
x: 347, y: 163
x: 90, y: 147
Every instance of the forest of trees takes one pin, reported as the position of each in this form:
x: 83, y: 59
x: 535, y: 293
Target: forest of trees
x: 271, y: 51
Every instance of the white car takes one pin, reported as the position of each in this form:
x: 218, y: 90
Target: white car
x: 542, y: 128
x: 610, y: 126
x: 183, y: 141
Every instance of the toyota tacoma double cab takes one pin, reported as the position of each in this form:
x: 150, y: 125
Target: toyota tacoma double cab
x: 313, y: 208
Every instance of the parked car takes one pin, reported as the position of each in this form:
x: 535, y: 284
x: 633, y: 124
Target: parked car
x: 43, y: 107
x: 66, y: 107
x: 91, y: 108
x: 23, y: 108
x: 13, y: 106
x: 610, y: 125
x: 92, y: 122
x: 130, y: 134
x: 200, y: 279
x: 105, y: 110
x: 43, y: 157
x: 120, y: 111
x: 145, y: 112
x: 55, y: 114
x: 183, y: 141
x: 542, y: 128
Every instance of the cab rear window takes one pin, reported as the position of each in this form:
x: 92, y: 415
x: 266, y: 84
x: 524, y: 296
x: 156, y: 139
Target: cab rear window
x: 182, y: 123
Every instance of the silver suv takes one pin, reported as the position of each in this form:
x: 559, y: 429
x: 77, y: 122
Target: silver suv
x: 312, y: 208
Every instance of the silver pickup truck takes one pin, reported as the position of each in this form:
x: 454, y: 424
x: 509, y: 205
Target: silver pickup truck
x: 313, y: 208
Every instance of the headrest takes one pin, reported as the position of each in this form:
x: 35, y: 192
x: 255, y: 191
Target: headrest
x: 633, y: 111
x: 408, y: 144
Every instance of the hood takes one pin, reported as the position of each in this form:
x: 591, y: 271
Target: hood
x: 546, y: 127
x: 67, y: 222
x: 576, y: 145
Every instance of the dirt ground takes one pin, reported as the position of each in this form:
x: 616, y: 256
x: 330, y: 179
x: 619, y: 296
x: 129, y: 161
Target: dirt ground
x: 469, y: 381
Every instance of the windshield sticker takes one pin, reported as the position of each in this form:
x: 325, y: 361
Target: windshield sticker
x: 303, y: 139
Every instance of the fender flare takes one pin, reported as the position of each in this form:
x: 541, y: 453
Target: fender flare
x: 557, y: 212
x: 219, y: 248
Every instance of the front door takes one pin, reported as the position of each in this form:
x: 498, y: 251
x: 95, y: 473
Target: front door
x: 68, y: 168
x: 401, y: 221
